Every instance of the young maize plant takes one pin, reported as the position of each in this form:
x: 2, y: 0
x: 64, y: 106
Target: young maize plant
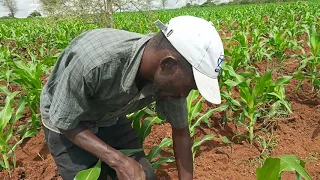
x: 231, y: 104
x: 195, y: 118
x: 255, y: 94
x: 10, y: 112
x: 144, y: 129
x: 257, y: 48
x: 27, y: 74
x: 278, y: 42
x: 310, y: 67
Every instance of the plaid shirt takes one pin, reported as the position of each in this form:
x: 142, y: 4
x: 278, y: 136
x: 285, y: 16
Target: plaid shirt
x: 92, y: 82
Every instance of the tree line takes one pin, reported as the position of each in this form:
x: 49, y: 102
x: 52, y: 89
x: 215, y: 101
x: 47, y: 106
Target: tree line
x: 101, y: 11
x: 80, y: 7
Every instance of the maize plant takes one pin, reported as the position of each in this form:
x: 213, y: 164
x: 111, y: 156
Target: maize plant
x: 143, y: 130
x: 278, y: 42
x: 28, y: 74
x: 196, y: 117
x: 310, y: 67
x: 256, y: 94
x: 10, y: 112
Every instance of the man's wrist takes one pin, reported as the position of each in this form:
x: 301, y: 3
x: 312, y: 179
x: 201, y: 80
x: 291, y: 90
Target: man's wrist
x: 114, y: 158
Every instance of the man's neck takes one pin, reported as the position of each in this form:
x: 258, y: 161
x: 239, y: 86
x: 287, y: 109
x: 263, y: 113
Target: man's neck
x: 140, y: 82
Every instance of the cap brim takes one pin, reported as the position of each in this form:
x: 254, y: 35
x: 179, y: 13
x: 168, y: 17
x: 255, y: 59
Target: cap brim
x: 208, y: 87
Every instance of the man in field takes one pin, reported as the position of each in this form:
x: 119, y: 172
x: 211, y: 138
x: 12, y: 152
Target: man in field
x: 105, y: 74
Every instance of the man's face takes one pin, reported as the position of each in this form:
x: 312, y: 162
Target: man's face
x: 173, y: 83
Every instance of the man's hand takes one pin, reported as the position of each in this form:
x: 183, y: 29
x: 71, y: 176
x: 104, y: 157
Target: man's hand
x: 183, y: 153
x: 125, y: 167
x: 129, y: 169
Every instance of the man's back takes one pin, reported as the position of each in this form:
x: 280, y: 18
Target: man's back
x: 87, y: 82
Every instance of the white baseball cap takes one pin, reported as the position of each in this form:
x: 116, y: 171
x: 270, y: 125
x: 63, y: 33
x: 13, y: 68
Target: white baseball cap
x: 199, y: 43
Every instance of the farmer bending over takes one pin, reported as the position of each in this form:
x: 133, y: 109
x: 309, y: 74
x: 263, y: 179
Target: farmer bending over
x: 105, y: 74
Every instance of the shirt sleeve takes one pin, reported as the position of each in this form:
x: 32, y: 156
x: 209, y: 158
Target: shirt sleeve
x: 70, y: 99
x: 175, y: 111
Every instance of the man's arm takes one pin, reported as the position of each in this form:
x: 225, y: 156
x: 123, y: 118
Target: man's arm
x: 175, y: 111
x: 87, y: 140
x: 126, y: 168
x: 183, y: 153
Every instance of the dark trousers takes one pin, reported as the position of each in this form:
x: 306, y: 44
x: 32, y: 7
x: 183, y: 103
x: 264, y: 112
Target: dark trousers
x: 70, y: 159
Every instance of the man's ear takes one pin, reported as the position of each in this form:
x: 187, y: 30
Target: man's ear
x: 168, y: 62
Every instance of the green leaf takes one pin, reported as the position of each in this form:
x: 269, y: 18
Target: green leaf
x: 302, y: 164
x: 19, y: 111
x: 193, y: 95
x: 136, y: 119
x: 27, y: 132
x: 283, y: 80
x: 259, y: 87
x: 275, y: 94
x: 8, y: 134
x: 146, y: 127
x: 247, y: 97
x: 230, y: 83
x: 235, y: 102
x: 298, y: 176
x: 289, y: 162
x: 160, y: 161
x: 90, y: 174
x: 221, y: 108
x: 270, y: 169
x: 232, y: 73
x: 149, y: 111
x: 130, y: 152
x: 225, y: 140
x: 4, y: 144
x: 197, y: 143
x: 195, y: 110
x: 155, y: 151
x: 314, y: 40
x: 1, y: 165
x: 4, y: 89
x: 6, y: 113
x: 247, y: 74
x: 204, y: 117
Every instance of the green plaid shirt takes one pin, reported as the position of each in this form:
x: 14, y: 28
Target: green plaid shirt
x: 92, y: 82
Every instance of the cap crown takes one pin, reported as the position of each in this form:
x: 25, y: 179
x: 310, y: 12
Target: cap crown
x: 197, y: 41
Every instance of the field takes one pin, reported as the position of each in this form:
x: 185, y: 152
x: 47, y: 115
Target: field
x: 270, y: 87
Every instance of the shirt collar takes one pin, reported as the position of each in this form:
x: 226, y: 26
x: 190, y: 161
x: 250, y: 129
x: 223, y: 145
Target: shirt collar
x: 134, y: 63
